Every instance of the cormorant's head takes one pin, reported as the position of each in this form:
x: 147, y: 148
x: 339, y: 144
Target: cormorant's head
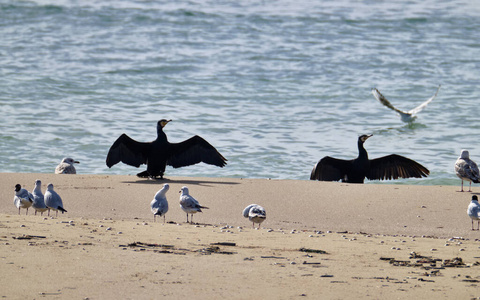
x: 17, y: 187
x: 162, y: 123
x: 364, y: 137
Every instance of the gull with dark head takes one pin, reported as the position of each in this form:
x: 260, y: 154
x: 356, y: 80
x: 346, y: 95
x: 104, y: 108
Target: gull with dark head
x: 406, y: 116
x: 189, y: 204
x: 38, y: 198
x: 466, y: 169
x: 473, y: 211
x: 66, y: 166
x: 53, y: 200
x: 255, y: 213
x: 159, y: 204
x: 22, y: 198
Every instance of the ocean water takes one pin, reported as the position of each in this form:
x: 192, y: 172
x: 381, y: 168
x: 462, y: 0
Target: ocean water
x: 273, y: 85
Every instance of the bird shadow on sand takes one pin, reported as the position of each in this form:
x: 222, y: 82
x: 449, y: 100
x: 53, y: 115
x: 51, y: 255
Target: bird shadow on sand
x: 183, y: 181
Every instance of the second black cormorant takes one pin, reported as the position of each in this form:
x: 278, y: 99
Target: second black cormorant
x: 356, y: 170
x: 160, y: 153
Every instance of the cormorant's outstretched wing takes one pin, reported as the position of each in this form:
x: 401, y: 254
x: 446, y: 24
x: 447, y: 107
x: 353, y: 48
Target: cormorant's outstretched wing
x: 128, y: 151
x: 330, y: 169
x: 193, y: 151
x: 419, y: 108
x: 395, y: 166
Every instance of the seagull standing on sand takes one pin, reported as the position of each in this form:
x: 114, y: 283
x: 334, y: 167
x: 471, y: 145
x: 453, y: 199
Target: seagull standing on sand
x: 189, y: 204
x: 66, y: 166
x: 159, y: 204
x: 473, y: 211
x: 38, y: 199
x: 255, y: 213
x: 53, y: 200
x: 22, y: 199
x: 408, y: 116
x: 466, y: 169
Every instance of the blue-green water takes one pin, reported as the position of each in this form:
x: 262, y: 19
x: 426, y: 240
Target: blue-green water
x: 273, y: 85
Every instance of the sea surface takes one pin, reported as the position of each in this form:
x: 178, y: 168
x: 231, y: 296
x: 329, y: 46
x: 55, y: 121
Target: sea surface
x: 273, y: 85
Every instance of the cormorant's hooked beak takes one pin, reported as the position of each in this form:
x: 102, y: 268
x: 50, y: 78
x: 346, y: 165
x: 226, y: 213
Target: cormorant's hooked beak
x: 365, y: 137
x: 164, y: 122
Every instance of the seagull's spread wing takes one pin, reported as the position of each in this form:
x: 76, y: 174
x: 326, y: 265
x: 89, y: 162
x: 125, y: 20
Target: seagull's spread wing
x: 193, y: 151
x: 395, y: 166
x: 128, y: 151
x: 330, y: 169
x: 419, y: 108
x: 387, y: 103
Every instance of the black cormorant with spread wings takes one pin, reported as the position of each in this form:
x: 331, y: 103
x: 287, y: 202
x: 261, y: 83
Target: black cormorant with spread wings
x: 354, y: 171
x: 160, y: 153
x: 406, y: 116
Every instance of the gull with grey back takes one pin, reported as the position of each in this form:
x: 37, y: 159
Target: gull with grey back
x: 38, y: 198
x: 466, y: 169
x: 53, y: 200
x: 189, y: 204
x: 66, y: 166
x: 159, y: 204
x: 255, y: 213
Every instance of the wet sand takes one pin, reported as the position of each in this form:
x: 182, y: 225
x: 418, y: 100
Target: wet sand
x: 320, y: 240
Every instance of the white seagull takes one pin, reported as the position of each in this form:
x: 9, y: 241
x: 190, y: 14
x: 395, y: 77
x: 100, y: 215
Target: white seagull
x: 189, y: 204
x: 38, y: 199
x: 255, y: 213
x: 53, y: 200
x: 66, y: 166
x: 473, y: 211
x: 466, y: 169
x: 408, y: 116
x: 22, y: 199
x: 159, y: 204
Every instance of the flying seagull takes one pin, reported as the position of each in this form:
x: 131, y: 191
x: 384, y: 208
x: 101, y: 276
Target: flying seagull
x: 408, y: 116
x: 466, y: 169
x: 159, y: 204
x: 392, y: 166
x: 189, y: 204
x: 66, y: 166
x: 255, y: 213
x: 160, y: 153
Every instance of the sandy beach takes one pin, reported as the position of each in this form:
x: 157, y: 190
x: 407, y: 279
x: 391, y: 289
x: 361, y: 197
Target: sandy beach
x: 320, y: 240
